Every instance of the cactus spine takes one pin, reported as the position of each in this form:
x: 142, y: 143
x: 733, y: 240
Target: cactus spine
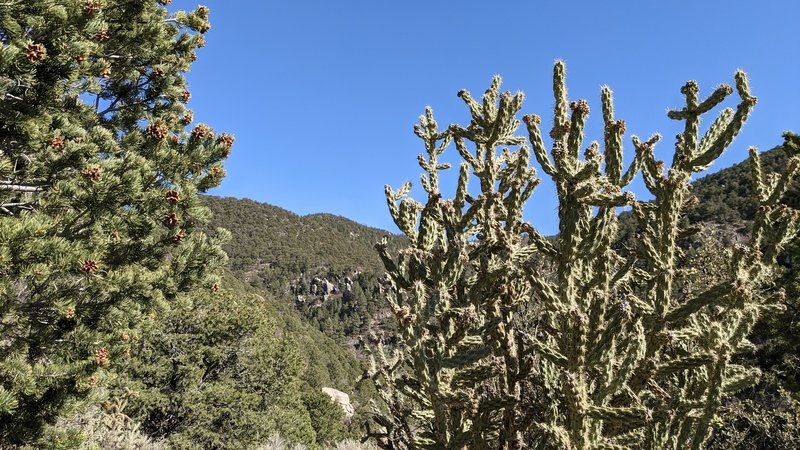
x: 512, y: 340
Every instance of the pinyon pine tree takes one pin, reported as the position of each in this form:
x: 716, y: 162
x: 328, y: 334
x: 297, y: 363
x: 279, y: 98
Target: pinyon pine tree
x: 99, y: 183
x: 620, y: 347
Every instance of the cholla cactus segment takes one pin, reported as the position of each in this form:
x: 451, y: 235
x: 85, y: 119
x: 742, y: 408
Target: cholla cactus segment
x: 509, y: 339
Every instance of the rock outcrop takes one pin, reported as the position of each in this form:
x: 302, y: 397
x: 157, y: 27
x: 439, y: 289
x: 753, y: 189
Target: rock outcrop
x: 342, y: 400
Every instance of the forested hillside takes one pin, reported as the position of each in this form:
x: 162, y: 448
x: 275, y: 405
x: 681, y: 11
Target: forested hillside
x: 269, y: 242
x: 324, y: 265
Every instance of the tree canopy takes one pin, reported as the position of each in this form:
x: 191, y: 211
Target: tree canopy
x: 99, y: 176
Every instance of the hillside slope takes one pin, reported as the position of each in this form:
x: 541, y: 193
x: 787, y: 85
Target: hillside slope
x: 324, y: 264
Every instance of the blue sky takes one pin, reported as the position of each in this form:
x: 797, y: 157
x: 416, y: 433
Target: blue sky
x: 322, y: 96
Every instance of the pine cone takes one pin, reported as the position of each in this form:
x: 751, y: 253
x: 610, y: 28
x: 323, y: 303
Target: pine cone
x: 102, y: 35
x: 35, y: 52
x: 179, y: 236
x: 57, y: 142
x: 202, y: 131
x: 89, y: 266
x: 93, y: 173
x: 170, y: 219
x: 173, y: 197
x: 91, y: 7
x: 101, y: 356
x: 185, y: 96
x: 216, y: 172
x: 188, y: 117
x: 157, y: 131
x: 226, y: 140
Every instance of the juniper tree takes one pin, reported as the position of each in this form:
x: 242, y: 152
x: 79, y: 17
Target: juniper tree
x: 215, y: 372
x: 623, y: 350
x: 99, y: 183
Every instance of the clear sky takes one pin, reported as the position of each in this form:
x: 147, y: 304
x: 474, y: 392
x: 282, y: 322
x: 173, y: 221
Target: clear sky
x: 322, y: 95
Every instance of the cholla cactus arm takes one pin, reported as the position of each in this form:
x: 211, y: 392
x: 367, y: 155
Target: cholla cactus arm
x: 652, y: 170
x: 775, y: 224
x: 402, y: 221
x: 397, y: 413
x: 428, y: 131
x: 612, y: 135
x: 671, y: 190
x: 715, y: 131
x: 718, y: 138
x: 560, y: 122
x: 532, y: 122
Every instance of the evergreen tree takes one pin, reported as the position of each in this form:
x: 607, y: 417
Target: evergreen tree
x: 216, y: 372
x: 99, y: 178
x: 326, y: 417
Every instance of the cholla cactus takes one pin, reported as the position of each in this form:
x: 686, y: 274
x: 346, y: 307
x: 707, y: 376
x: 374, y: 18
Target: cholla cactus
x: 625, y: 350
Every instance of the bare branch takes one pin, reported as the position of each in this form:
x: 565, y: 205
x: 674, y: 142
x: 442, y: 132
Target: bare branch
x: 10, y: 186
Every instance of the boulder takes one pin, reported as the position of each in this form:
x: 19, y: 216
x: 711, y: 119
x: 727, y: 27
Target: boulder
x: 327, y: 287
x: 342, y: 400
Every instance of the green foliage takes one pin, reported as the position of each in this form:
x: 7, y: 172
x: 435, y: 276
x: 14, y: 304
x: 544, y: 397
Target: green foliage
x: 620, y: 347
x: 99, y: 179
x: 214, y: 373
x: 327, y: 417
x: 762, y: 417
x: 227, y: 369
